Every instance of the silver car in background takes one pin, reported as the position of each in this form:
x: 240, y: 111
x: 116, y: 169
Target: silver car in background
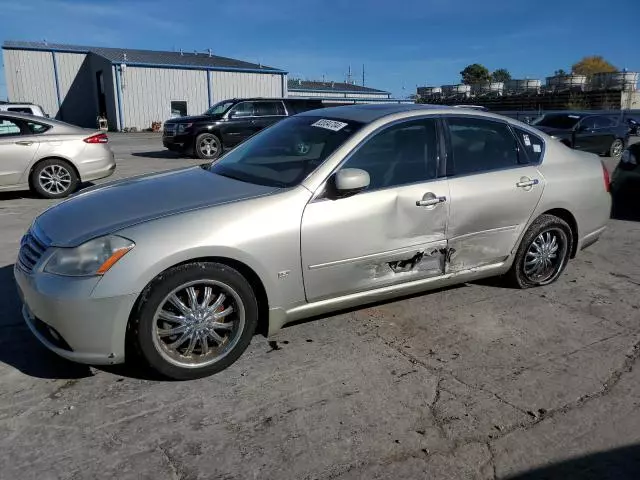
x: 325, y: 210
x: 49, y: 157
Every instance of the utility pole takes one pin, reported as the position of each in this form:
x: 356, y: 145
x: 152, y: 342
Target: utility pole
x: 363, y: 74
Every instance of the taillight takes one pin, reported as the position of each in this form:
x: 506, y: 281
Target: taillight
x: 607, y: 179
x: 97, y: 138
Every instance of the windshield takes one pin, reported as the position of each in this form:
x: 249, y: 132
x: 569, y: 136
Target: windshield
x: 565, y: 122
x: 219, y: 108
x: 286, y: 153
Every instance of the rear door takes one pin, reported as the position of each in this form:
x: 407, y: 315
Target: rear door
x: 18, y: 146
x: 595, y: 134
x: 495, y: 187
x: 268, y: 113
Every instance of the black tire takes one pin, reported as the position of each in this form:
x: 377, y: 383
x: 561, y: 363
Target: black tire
x: 616, y: 149
x: 518, y: 276
x: 54, y: 178
x: 150, y: 345
x: 207, y: 146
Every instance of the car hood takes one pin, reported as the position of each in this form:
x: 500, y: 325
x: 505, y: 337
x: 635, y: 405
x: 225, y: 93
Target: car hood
x: 107, y: 209
x: 195, y: 118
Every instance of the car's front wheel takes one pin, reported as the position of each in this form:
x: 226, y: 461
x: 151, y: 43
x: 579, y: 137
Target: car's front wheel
x: 195, y: 320
x: 207, y: 146
x: 543, y: 253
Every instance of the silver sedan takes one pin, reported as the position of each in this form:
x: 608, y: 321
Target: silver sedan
x: 49, y: 157
x: 325, y: 210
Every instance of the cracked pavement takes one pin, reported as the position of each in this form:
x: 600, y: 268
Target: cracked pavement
x: 475, y: 381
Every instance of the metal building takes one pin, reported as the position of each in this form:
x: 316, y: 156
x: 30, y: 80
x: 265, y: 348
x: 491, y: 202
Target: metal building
x: 132, y: 88
x: 337, y: 92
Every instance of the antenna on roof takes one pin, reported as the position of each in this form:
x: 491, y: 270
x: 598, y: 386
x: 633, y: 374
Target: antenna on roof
x: 45, y: 41
x: 363, y: 74
x: 181, y: 52
x: 209, y: 50
x: 349, y: 75
x: 195, y: 52
x: 124, y: 56
x: 323, y: 78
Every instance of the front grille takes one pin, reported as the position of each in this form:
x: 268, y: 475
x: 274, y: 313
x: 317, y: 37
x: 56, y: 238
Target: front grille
x: 169, y: 130
x: 32, y: 247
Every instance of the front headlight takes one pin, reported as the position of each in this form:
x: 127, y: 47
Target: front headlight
x: 184, y: 126
x: 94, y: 257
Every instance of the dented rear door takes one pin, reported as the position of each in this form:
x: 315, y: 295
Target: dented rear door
x: 394, y: 232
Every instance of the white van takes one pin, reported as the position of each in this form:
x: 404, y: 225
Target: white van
x: 23, y: 108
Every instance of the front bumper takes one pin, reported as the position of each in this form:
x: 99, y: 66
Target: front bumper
x: 178, y: 143
x: 65, y: 318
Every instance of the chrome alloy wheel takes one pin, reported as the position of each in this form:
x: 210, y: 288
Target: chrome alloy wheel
x: 546, y: 256
x: 55, y: 179
x: 209, y: 147
x: 198, y: 323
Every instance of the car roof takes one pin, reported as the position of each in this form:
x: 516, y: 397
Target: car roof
x: 49, y: 121
x: 367, y: 113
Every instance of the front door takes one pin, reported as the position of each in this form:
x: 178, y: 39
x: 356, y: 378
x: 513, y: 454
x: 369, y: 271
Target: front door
x: 394, y: 231
x: 17, y: 149
x: 240, y: 124
x: 494, y: 189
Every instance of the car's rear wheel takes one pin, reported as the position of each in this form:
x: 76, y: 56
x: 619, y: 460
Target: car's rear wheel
x: 543, y: 253
x: 54, y: 178
x: 617, y: 147
x: 195, y: 320
x: 208, y: 146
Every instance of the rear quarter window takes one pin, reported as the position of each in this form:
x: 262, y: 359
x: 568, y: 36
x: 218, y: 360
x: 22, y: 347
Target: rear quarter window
x: 532, y: 145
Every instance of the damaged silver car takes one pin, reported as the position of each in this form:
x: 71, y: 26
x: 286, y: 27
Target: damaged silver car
x: 325, y: 210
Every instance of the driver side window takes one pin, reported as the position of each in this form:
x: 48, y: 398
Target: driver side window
x: 242, y: 110
x: 402, y: 154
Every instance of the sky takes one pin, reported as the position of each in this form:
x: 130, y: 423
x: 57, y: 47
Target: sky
x: 402, y: 43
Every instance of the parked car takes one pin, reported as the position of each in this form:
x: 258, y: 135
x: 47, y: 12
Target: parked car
x: 625, y: 182
x: 326, y: 210
x: 599, y: 134
x: 229, y: 123
x: 23, y: 108
x: 49, y: 157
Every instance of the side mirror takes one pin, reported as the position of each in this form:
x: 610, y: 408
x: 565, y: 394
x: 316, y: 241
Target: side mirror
x: 349, y: 181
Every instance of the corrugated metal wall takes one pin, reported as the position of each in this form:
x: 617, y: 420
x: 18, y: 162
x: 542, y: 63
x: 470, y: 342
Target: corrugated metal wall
x: 78, y: 93
x: 226, y: 85
x: 147, y: 94
x: 30, y: 78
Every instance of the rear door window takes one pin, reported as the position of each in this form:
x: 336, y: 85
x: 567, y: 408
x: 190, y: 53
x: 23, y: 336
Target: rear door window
x: 532, y: 145
x: 20, y: 110
x: 37, y: 128
x: 603, y: 122
x: 9, y: 127
x: 479, y: 145
x: 269, y: 109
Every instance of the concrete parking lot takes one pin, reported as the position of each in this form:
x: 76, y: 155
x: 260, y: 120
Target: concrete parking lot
x: 476, y: 381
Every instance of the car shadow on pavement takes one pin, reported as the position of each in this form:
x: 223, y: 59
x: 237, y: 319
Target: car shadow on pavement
x: 17, y: 195
x: 620, y: 464
x: 19, y: 348
x: 626, y: 205
x: 167, y: 154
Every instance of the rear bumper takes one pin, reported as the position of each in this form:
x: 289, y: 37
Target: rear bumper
x: 65, y: 318
x: 98, y: 167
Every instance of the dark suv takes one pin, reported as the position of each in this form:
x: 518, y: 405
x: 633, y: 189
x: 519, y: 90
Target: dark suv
x: 604, y: 135
x: 228, y: 123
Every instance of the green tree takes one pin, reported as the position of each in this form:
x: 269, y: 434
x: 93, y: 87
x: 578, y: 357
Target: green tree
x: 560, y: 73
x: 592, y: 64
x: 474, y: 74
x: 501, y: 75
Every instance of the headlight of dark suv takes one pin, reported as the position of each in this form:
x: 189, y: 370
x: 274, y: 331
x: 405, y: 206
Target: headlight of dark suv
x: 183, y: 127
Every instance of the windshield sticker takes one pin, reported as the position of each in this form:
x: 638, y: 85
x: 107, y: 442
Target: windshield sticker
x: 537, y: 149
x: 527, y: 141
x: 330, y: 124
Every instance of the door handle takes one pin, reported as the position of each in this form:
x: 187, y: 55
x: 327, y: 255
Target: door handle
x: 24, y: 143
x: 527, y: 183
x: 429, y: 202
